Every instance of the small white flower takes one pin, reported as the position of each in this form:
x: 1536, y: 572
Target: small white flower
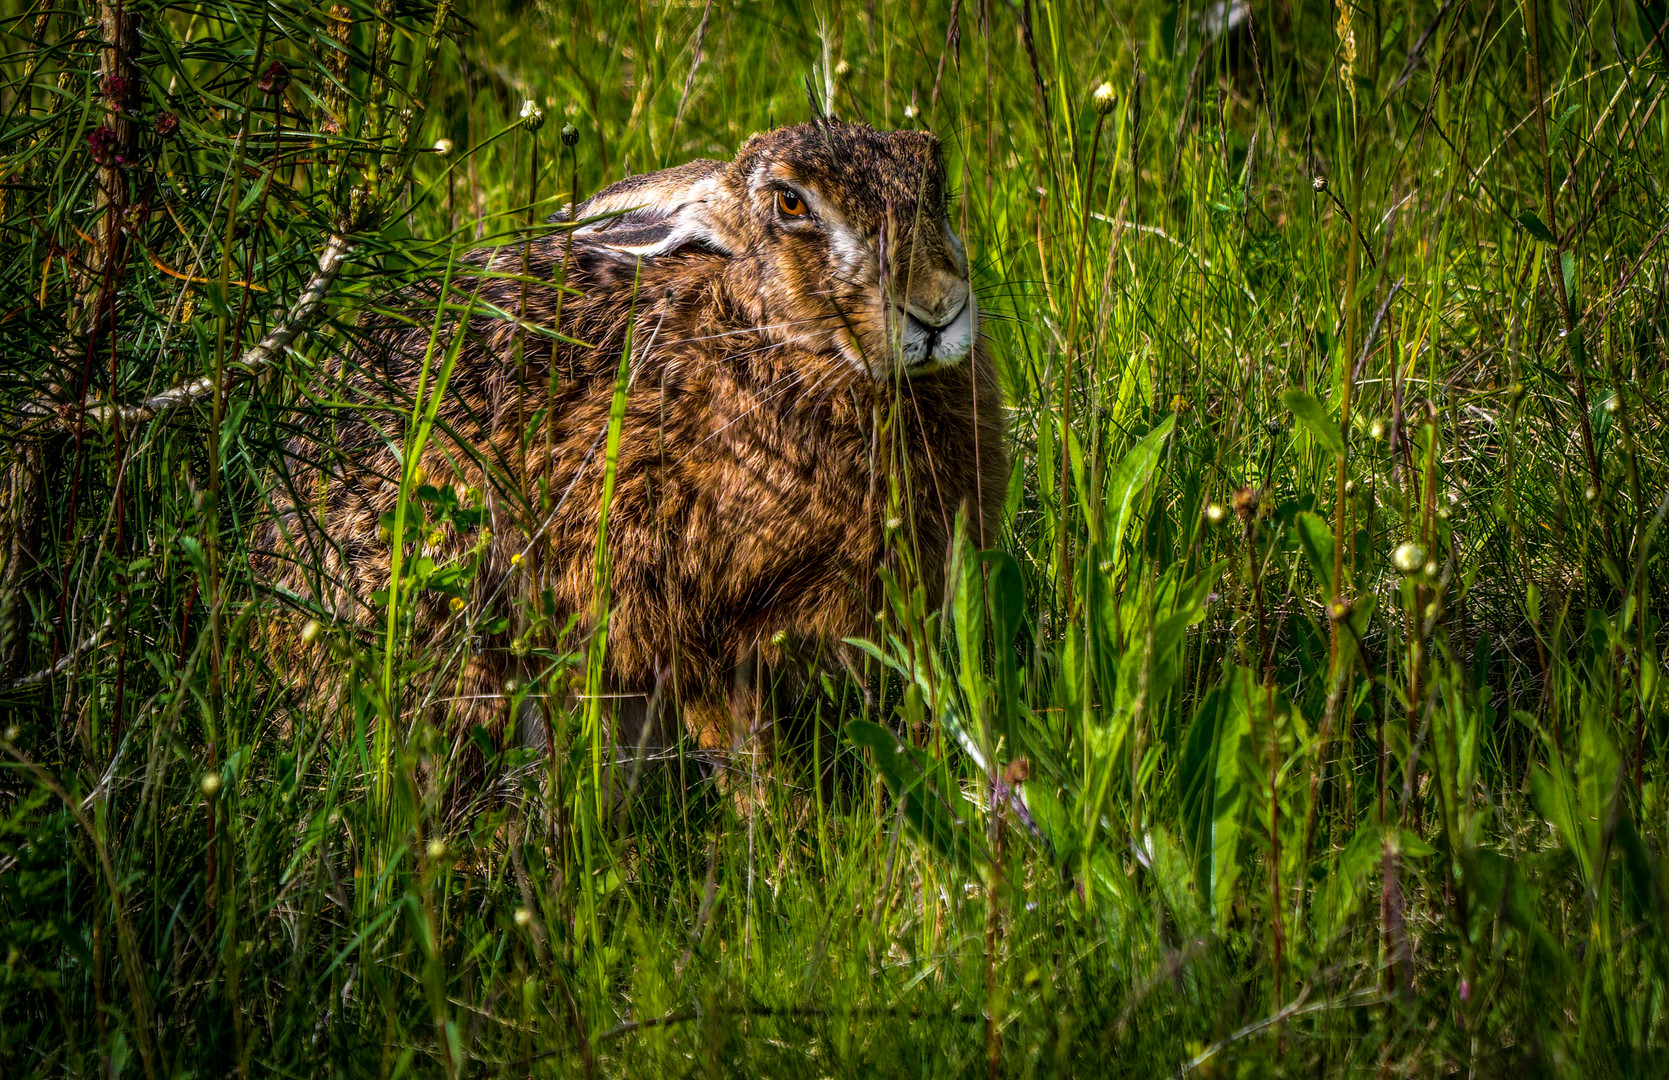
x: 1409, y: 557
x: 1215, y: 513
x: 210, y: 784
x: 1104, y: 98
x: 437, y: 849
x: 533, y: 117
x: 523, y: 917
x: 910, y: 111
x: 443, y: 147
x: 842, y: 69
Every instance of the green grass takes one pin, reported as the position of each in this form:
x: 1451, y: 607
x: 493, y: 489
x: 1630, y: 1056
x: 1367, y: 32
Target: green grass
x: 1318, y: 289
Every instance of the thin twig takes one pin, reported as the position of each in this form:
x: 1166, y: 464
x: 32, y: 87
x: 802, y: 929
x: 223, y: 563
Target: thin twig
x: 91, y: 642
x: 264, y: 352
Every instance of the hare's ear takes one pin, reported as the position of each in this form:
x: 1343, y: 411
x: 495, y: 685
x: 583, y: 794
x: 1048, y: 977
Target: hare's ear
x: 687, y: 207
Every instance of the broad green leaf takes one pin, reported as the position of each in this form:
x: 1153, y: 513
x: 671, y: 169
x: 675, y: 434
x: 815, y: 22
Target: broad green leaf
x: 1128, y: 480
x: 1315, y: 536
x: 1314, y: 417
x: 1533, y: 225
x: 1214, y: 793
x: 944, y: 820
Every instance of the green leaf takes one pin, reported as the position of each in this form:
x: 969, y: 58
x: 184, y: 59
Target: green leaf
x: 1131, y: 477
x: 1315, y: 536
x: 944, y: 820
x: 1533, y: 225
x: 1313, y: 415
x: 1213, y: 792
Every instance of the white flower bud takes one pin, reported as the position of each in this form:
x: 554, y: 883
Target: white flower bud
x: 1408, y: 557
x: 210, y: 784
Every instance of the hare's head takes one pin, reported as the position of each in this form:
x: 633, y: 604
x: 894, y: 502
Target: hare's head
x: 836, y: 238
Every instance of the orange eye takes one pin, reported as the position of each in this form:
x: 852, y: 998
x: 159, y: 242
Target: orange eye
x: 789, y: 204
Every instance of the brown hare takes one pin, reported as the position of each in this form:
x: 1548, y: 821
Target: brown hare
x: 804, y: 378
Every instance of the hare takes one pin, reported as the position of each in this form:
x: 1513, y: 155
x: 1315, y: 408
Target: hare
x: 805, y: 391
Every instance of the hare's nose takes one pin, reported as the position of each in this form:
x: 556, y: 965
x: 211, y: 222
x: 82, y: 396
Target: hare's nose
x: 939, y: 314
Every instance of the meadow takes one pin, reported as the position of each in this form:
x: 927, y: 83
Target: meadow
x: 1306, y: 718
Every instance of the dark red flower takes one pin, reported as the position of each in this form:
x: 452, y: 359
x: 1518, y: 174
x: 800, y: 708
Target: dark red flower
x: 101, y: 144
x: 166, y: 125
x: 115, y: 88
x: 274, y: 79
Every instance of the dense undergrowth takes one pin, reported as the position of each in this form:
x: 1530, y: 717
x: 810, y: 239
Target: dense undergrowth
x: 1307, y: 718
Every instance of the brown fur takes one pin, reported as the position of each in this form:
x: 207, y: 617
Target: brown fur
x: 769, y: 414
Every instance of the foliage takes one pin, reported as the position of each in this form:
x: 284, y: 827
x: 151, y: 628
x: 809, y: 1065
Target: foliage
x: 1305, y: 718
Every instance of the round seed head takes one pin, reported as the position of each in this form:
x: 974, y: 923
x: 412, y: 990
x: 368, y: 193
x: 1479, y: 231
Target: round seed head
x: 523, y: 917
x: 570, y: 135
x: 437, y: 849
x: 210, y: 784
x: 1408, y: 557
x: 310, y: 631
x: 1378, y: 428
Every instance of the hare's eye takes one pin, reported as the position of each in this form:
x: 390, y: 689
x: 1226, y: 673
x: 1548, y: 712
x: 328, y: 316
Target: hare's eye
x: 789, y: 204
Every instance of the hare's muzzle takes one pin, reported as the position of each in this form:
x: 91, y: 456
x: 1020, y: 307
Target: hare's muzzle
x: 940, y: 334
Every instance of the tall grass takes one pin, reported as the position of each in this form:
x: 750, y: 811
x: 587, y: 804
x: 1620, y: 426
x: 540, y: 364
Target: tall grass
x: 1306, y: 717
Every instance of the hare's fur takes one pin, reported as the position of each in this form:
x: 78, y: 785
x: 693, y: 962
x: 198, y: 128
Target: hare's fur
x: 779, y: 396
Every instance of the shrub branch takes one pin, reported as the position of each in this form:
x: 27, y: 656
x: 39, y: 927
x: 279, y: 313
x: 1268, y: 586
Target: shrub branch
x: 257, y: 356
